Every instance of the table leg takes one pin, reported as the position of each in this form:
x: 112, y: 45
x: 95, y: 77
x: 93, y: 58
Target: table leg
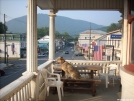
x: 91, y: 74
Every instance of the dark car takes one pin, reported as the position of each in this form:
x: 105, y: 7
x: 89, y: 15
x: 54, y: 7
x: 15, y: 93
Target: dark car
x: 46, y: 53
x: 2, y: 72
x: 79, y: 54
x: 66, y: 52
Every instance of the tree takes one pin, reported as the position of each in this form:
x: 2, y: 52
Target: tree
x: 66, y: 36
x: 58, y: 35
x: 43, y: 31
x: 112, y: 27
x: 2, y: 31
x: 76, y: 37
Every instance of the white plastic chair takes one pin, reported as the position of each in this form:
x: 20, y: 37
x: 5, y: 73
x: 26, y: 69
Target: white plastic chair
x: 50, y: 81
x: 110, y: 74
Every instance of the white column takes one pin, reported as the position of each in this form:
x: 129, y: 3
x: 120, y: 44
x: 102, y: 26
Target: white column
x: 129, y: 45
x: 125, y: 35
x: 52, y: 36
x: 32, y: 36
x: 32, y: 47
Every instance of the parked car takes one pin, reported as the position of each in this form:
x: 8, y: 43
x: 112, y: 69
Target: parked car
x: 66, y: 52
x: 2, y: 72
x: 79, y: 54
x: 46, y: 53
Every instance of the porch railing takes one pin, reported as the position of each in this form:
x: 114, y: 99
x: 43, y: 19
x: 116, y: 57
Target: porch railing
x: 18, y: 90
x: 103, y: 64
x: 21, y: 90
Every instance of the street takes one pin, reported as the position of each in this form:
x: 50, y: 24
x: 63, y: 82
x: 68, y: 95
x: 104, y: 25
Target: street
x: 19, y: 66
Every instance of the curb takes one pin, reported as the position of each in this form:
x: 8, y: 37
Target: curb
x: 2, y: 66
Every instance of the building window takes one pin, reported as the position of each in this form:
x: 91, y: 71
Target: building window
x: 108, y: 41
x: 3, y: 38
x: 12, y: 37
x: 118, y: 44
x: 115, y: 44
x: 132, y: 7
x: 132, y: 51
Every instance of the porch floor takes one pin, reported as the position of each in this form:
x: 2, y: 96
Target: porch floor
x: 103, y: 94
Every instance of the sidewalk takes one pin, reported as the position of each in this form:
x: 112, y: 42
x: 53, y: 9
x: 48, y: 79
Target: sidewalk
x: 3, y: 65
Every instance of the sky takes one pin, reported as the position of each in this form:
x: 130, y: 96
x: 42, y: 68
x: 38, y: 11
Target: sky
x: 17, y: 8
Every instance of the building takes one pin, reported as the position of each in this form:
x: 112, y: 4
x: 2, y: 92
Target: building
x: 59, y: 43
x: 114, y: 39
x: 87, y: 38
x: 15, y: 45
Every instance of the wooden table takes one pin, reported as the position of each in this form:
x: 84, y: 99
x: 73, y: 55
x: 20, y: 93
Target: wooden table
x: 86, y: 84
x: 92, y: 68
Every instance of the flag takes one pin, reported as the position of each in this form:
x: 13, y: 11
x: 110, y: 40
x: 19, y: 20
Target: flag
x: 97, y: 52
x: 87, y: 47
x: 83, y: 46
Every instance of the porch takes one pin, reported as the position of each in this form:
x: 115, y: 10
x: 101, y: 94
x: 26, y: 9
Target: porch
x: 24, y: 88
x: 103, y: 94
x: 30, y: 86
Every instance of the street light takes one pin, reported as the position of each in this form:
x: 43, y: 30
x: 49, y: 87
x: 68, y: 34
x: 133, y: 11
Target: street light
x: 4, y: 27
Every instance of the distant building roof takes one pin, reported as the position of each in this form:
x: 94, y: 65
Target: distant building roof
x: 115, y: 31
x: 93, y: 32
x: 45, y: 38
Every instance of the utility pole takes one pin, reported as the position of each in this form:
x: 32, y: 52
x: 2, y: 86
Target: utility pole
x: 4, y: 39
x: 89, y: 41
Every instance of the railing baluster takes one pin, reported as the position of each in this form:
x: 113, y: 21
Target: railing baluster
x: 9, y: 99
x: 25, y: 93
x: 13, y: 98
x: 22, y: 92
x: 19, y: 95
x: 16, y: 96
x: 30, y: 89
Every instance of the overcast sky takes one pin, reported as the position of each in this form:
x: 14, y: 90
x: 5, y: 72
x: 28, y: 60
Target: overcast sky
x: 17, y: 8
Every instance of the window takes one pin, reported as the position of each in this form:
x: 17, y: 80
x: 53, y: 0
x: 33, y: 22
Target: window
x: 131, y: 21
x: 3, y: 38
x: 12, y: 37
x: 118, y: 44
x: 132, y: 51
x: 132, y: 7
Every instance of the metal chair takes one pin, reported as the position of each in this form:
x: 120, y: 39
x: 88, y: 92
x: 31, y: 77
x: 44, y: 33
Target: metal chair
x: 51, y: 81
x: 110, y: 74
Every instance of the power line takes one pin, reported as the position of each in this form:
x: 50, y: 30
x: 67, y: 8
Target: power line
x: 12, y: 18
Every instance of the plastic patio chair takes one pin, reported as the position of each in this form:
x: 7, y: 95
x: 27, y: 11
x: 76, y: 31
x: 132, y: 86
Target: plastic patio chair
x: 110, y: 74
x: 51, y: 81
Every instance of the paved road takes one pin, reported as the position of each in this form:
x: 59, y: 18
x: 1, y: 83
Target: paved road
x: 15, y: 71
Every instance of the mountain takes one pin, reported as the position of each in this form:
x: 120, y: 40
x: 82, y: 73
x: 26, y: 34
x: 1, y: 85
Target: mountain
x: 62, y: 24
x: 103, y: 28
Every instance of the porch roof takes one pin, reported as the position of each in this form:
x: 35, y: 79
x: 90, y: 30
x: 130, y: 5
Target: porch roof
x: 81, y: 4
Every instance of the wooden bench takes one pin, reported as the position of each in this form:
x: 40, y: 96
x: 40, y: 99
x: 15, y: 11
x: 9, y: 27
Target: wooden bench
x: 80, y: 85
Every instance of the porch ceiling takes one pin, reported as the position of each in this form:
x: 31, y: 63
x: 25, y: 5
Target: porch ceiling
x: 81, y: 4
